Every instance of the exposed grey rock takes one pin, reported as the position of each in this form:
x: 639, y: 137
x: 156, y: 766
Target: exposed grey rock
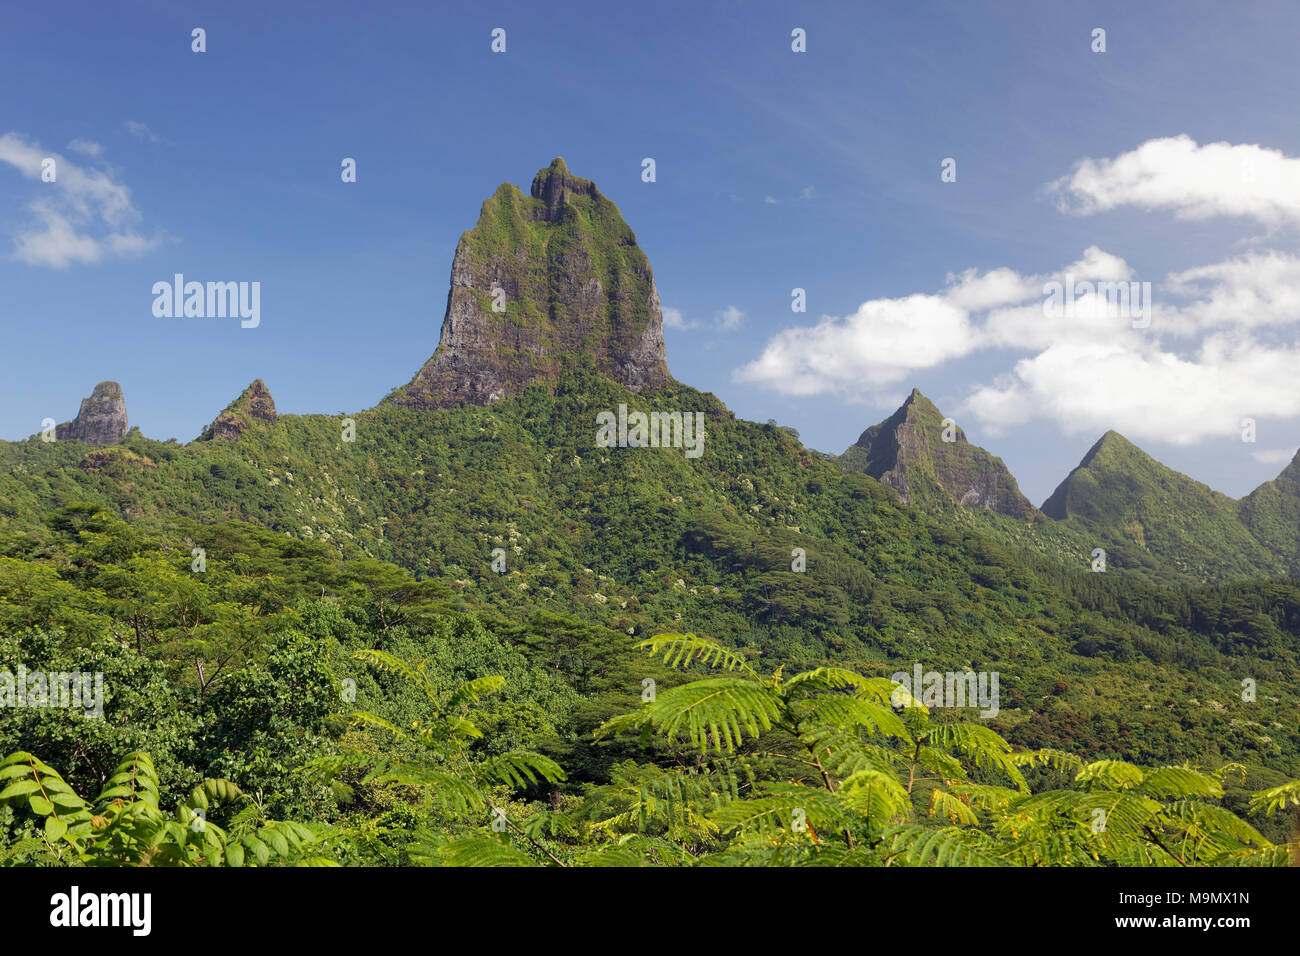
x: 577, y: 291
x: 101, y: 419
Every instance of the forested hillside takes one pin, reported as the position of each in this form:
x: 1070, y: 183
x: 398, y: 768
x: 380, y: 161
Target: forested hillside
x: 348, y: 589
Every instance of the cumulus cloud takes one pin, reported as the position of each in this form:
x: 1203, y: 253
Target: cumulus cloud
x: 880, y: 344
x: 1191, y: 368
x: 1258, y: 289
x: 1189, y: 180
x: 85, y: 215
x: 1145, y: 391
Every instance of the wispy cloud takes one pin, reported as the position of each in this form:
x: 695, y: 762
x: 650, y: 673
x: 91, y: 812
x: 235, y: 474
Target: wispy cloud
x: 1274, y: 456
x: 729, y: 319
x: 142, y: 132
x: 83, y: 216
x: 673, y: 319
x: 86, y: 148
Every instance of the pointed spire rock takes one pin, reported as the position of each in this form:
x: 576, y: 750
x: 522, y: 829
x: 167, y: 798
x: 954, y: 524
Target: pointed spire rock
x: 101, y: 419
x: 908, y: 452
x: 253, y: 408
x: 544, y: 283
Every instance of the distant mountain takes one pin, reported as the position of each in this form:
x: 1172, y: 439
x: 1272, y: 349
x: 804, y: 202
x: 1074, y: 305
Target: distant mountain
x: 1272, y: 513
x: 484, y: 474
x: 908, y: 452
x: 543, y: 283
x: 253, y: 407
x: 1145, y: 514
x: 101, y: 420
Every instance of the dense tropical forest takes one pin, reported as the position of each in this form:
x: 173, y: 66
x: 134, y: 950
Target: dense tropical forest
x: 466, y: 636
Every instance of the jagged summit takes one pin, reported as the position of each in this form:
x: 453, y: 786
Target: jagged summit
x: 907, y: 451
x: 101, y: 419
x: 253, y: 408
x: 555, y: 187
x: 542, y: 283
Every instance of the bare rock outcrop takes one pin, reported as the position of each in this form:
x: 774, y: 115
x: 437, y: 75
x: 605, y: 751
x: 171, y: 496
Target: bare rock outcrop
x: 101, y: 419
x: 544, y: 283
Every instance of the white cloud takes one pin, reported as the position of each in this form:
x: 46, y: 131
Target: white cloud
x: 880, y: 344
x: 85, y: 215
x: 729, y: 319
x: 1194, y: 182
x: 770, y: 201
x: 1145, y: 392
x: 1258, y: 289
x: 140, y: 131
x: 808, y: 193
x: 1274, y: 456
x: 673, y: 319
x: 1193, y: 373
x: 86, y: 147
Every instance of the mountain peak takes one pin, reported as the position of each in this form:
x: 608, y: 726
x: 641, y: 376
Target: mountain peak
x: 555, y: 186
x: 543, y: 283
x: 932, y: 465
x: 1142, y: 511
x: 253, y: 407
x: 101, y: 420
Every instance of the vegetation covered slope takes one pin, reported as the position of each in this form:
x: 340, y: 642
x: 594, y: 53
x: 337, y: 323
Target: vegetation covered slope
x: 514, y: 511
x: 931, y: 464
x: 1146, y: 516
x: 1272, y: 513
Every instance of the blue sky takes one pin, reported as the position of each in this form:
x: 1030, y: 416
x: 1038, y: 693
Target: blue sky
x: 775, y: 170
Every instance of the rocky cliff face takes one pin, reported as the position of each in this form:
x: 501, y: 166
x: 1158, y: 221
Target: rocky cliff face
x: 101, y: 419
x: 907, y: 452
x: 253, y: 407
x: 542, y: 283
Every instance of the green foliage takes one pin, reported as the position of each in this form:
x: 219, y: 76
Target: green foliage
x: 124, y: 826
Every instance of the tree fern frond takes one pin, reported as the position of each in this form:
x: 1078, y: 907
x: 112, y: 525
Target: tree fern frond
x: 1276, y: 798
x: 481, y: 851
x: 713, y: 713
x: 679, y: 650
x: 520, y: 768
x: 917, y: 845
x: 1178, y: 782
x: 472, y: 691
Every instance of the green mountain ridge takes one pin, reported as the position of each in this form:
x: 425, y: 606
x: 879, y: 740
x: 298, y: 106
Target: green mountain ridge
x: 1145, y: 514
x: 909, y: 452
x: 232, y: 587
